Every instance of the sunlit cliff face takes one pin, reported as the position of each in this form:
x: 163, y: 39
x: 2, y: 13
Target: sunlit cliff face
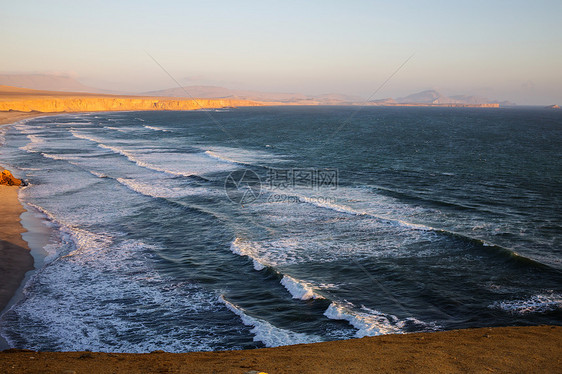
x: 96, y: 104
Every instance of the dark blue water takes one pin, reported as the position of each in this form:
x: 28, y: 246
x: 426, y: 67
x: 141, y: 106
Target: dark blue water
x: 260, y: 227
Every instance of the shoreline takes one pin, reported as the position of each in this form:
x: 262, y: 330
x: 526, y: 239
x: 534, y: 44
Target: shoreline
x: 15, y: 255
x: 11, y: 117
x: 501, y: 349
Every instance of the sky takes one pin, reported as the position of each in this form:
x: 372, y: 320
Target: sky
x: 505, y: 50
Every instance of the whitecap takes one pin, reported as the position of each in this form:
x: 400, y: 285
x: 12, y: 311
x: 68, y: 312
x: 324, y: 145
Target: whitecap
x: 268, y: 334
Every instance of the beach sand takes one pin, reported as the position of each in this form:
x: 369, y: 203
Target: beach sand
x: 15, y: 258
x: 488, y: 350
x: 14, y: 116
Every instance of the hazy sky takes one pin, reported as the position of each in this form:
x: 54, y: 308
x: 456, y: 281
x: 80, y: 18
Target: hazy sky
x: 508, y: 50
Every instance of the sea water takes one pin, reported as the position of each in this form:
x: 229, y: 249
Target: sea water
x: 260, y: 227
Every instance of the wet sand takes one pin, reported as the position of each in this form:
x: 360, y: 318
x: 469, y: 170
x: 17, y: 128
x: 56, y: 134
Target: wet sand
x: 14, y: 116
x: 15, y: 257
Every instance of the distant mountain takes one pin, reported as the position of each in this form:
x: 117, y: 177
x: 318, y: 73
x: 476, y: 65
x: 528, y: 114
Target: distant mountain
x: 432, y: 97
x: 227, y: 93
x: 426, y: 97
x: 55, y: 82
x: 48, y: 82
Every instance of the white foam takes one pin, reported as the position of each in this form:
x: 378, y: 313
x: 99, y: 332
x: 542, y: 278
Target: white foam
x: 370, y: 322
x: 79, y: 135
x: 268, y: 334
x: 541, y: 303
x: 242, y: 156
x: 76, y: 123
x: 155, y: 128
x: 224, y: 158
x: 176, y: 163
x: 57, y: 157
x: 115, y: 129
x: 244, y: 248
x: 299, y: 289
x: 336, y: 239
x: 97, y: 174
x: 157, y: 190
x: 329, y: 205
x: 35, y: 141
x: 129, y: 155
x: 3, y: 130
x: 97, y: 294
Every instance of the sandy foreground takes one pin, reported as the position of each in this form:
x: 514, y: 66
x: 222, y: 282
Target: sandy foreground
x: 488, y: 350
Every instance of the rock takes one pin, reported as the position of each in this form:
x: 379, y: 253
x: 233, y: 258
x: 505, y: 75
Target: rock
x: 7, y: 179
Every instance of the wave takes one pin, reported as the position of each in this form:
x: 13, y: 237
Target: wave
x: 370, y: 322
x: 57, y: 157
x: 115, y: 129
x: 239, y: 247
x: 3, y: 131
x: 130, y: 156
x: 71, y: 160
x: 299, y: 289
x: 268, y: 334
x: 155, y: 128
x: 97, y: 277
x: 78, y: 135
x: 507, y: 252
x: 34, y: 141
x: 542, y: 303
x: 224, y: 158
x: 326, y: 204
x: 155, y: 190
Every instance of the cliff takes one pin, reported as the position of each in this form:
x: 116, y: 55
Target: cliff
x: 26, y: 100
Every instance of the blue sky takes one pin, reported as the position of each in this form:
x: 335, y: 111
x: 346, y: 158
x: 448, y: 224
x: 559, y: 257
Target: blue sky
x: 509, y: 50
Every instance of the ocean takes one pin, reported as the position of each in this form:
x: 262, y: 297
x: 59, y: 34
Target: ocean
x: 258, y: 227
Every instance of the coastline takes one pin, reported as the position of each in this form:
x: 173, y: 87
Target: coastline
x: 16, y: 259
x: 10, y: 117
x: 15, y: 255
x: 485, y: 350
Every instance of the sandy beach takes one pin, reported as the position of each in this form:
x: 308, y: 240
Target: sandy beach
x: 15, y: 259
x: 14, y: 116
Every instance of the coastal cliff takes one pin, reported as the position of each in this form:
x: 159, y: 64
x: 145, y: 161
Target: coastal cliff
x: 98, y: 104
x: 25, y: 100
